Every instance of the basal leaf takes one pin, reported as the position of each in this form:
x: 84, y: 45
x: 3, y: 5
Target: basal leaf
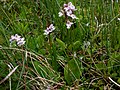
x: 72, y: 71
x: 61, y: 44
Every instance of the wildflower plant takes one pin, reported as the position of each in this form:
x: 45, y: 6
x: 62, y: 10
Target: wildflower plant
x: 69, y: 24
x: 47, y: 33
x: 85, y: 57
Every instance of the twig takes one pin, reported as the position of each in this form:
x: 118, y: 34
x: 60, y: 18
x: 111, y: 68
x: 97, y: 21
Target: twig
x: 8, y: 75
x: 114, y: 82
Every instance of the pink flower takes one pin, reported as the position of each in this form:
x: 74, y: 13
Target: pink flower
x: 69, y: 24
x: 20, y: 41
x: 68, y: 11
x: 69, y: 6
x: 49, y: 29
x: 15, y: 38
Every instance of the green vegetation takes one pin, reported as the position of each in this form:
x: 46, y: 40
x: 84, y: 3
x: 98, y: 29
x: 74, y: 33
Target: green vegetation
x: 82, y: 56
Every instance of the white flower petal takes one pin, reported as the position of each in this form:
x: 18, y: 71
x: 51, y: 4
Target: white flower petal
x: 60, y: 14
x: 119, y: 19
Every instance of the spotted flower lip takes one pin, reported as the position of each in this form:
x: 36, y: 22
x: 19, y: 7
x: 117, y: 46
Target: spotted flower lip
x: 69, y: 24
x: 73, y: 16
x: 69, y: 12
x: 20, y: 41
x: 49, y: 29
